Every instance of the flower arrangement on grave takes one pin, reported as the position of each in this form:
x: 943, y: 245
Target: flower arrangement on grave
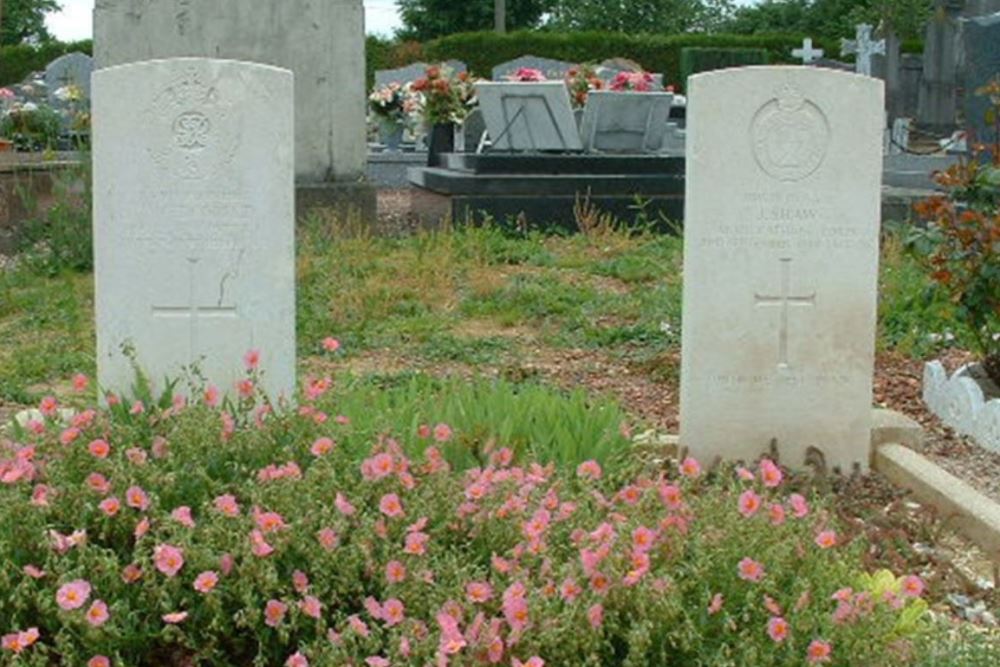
x: 961, y: 243
x: 387, y: 102
x: 447, y: 97
x: 308, y: 539
x: 638, y: 82
x: 580, y: 81
x: 527, y: 75
x: 31, y: 126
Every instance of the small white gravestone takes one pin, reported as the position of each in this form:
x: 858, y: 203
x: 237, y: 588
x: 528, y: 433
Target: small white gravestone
x: 625, y: 122
x: 784, y: 169
x: 807, y: 53
x: 529, y: 116
x: 193, y: 221
x: 864, y: 47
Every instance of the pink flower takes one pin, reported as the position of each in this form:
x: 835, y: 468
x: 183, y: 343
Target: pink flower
x: 321, y: 447
x: 391, y: 506
x: 750, y: 570
x: 331, y: 344
x: 206, y: 581
x: 226, y: 563
x: 110, y: 506
x: 515, y: 610
x: 818, y: 651
x: 98, y: 482
x: 269, y: 522
x: 137, y: 408
x: 777, y: 629
x: 690, y: 467
x: 358, y: 626
x: 211, y: 396
x: 227, y: 505
x: 913, y: 586
x: 595, y: 615
x: 251, y: 359
x: 671, y: 495
x: 97, y: 615
x: 245, y: 388
x: 395, y: 572
x: 749, y: 503
x: 589, y: 470
x: 131, y: 573
x: 442, y: 433
x: 770, y: 473
x: 478, y: 591
x: 80, y: 382
x: 328, y: 539
x: 69, y: 435
x: 777, y: 514
x: 175, y: 617
x: 416, y: 543
x: 826, y: 539
x: 136, y: 498
x: 343, y: 505
x: 182, y: 515
x: 141, y: 528
x: 643, y: 539
x: 73, y: 595
x: 49, y: 406
x: 34, y: 572
x: 715, y: 606
x: 274, y: 612
x: 99, y: 449
x: 99, y: 661
x: 533, y: 661
x: 18, y: 641
x: 259, y: 545
x: 297, y: 660
x: 799, y: 506
x: 744, y: 474
x: 311, y: 606
x: 300, y: 581
x: 393, y: 612
x: 168, y: 559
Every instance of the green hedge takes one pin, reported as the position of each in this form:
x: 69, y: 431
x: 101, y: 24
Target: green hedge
x: 482, y: 51
x: 704, y: 59
x: 17, y: 62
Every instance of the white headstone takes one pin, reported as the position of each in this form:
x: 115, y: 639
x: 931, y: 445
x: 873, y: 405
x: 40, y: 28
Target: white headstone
x: 323, y: 43
x: 784, y: 168
x: 807, y: 53
x: 193, y: 220
x: 625, y: 122
x: 529, y: 116
x: 864, y: 47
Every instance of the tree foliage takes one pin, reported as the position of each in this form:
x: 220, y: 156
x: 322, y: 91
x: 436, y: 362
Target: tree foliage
x: 427, y: 19
x: 645, y: 16
x: 831, y: 18
x: 25, y: 19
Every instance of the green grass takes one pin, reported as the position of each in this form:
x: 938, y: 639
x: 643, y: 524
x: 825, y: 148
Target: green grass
x: 473, y: 297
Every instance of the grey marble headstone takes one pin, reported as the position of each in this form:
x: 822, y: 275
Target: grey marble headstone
x: 70, y: 69
x: 323, y: 43
x: 552, y: 69
x: 937, y: 102
x: 625, y: 122
x: 529, y: 116
x: 982, y: 64
x: 911, y: 71
x: 404, y: 75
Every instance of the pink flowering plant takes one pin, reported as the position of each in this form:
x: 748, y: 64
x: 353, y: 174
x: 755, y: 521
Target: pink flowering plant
x: 638, y: 82
x: 218, y: 528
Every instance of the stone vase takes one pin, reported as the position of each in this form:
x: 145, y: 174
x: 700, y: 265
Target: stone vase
x: 442, y: 140
x: 390, y: 133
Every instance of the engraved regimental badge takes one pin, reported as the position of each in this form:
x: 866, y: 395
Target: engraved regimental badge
x: 790, y: 136
x: 192, y: 136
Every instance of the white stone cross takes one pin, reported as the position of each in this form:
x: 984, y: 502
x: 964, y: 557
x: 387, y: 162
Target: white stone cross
x: 193, y: 312
x: 864, y: 48
x: 807, y: 53
x: 784, y: 301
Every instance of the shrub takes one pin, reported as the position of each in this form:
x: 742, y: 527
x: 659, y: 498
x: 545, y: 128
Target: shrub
x: 962, y: 242
x: 31, y: 128
x: 701, y: 59
x: 173, y: 532
x: 17, y: 62
x: 482, y: 51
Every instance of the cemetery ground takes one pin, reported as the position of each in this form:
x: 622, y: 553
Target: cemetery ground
x: 564, y: 347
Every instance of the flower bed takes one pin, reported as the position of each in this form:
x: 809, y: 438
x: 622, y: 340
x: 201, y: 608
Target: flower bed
x: 223, y: 532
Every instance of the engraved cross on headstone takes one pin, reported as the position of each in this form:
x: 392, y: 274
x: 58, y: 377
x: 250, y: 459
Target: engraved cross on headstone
x: 785, y: 301
x: 807, y: 53
x: 193, y: 311
x: 864, y: 48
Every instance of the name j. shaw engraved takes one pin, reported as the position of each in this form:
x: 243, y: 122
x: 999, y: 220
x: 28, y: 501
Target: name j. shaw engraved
x: 790, y: 136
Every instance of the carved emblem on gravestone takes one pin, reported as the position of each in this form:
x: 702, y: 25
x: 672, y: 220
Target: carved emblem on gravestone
x: 192, y: 134
x: 790, y: 136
